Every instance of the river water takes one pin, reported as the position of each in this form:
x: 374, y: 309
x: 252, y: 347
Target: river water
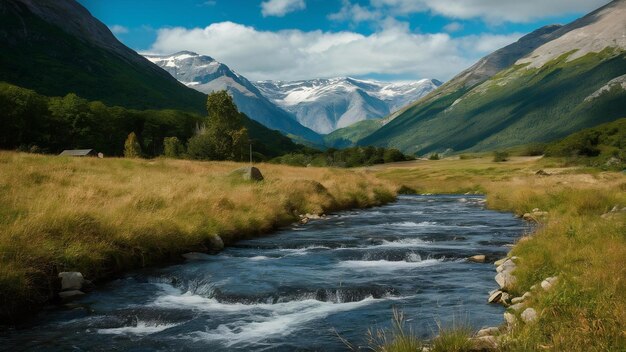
x: 299, y: 288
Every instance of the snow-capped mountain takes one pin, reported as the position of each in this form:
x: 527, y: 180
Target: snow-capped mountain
x: 207, y: 75
x: 325, y: 105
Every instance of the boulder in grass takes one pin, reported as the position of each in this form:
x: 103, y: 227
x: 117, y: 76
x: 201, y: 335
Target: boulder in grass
x: 529, y: 315
x: 248, y: 173
x: 484, y: 343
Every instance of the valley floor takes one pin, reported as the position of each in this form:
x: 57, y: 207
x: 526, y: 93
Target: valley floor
x: 582, y: 240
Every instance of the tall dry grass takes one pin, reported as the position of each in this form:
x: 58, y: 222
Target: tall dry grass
x: 104, y: 216
x: 586, y: 311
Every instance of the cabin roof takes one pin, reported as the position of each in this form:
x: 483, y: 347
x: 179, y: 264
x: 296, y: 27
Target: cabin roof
x: 76, y: 152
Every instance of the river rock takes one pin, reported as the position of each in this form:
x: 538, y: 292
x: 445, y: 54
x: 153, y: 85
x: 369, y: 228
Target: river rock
x: 500, y: 261
x: 71, y: 280
x: 70, y: 295
x: 517, y: 300
x: 196, y: 256
x: 508, y: 266
x: 510, y: 318
x: 548, y: 283
x: 215, y: 243
x: 495, y: 297
x: 526, y: 295
x: 479, y: 258
x: 505, y: 299
x: 505, y: 279
x: 529, y: 315
x: 491, y: 331
x: 248, y: 173
x: 484, y: 343
x: 517, y: 307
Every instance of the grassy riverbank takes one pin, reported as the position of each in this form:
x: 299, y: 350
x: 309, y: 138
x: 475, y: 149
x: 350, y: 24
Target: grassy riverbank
x: 586, y: 311
x: 106, y: 216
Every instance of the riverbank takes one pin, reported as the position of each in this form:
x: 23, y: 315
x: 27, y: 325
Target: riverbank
x: 581, y: 239
x: 103, y: 217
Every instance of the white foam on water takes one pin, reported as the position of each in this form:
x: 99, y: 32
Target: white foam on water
x: 409, y: 242
x: 260, y: 257
x: 303, y: 250
x: 386, y: 265
x: 414, y: 224
x: 142, y: 328
x: 279, y: 319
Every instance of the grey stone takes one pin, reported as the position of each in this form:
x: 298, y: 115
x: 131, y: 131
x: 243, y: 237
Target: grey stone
x: 70, y: 295
x: 215, y: 243
x: 517, y: 300
x: 479, y: 258
x: 510, y: 318
x: 196, y: 256
x: 495, y: 297
x: 505, y: 280
x: 248, y: 173
x: 548, y: 283
x: 517, y: 307
x: 529, y: 315
x: 491, y: 331
x: 484, y: 343
x: 71, y: 280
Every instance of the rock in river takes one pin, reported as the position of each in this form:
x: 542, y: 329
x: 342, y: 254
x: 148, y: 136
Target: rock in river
x: 480, y: 258
x: 71, y: 280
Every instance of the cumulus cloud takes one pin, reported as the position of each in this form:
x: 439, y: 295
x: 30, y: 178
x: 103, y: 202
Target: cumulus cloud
x: 494, y: 11
x: 295, y: 54
x: 453, y: 27
x: 117, y: 29
x: 280, y: 8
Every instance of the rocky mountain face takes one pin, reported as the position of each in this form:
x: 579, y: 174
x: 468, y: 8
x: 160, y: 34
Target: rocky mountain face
x: 207, y: 75
x: 552, y: 82
x: 325, y: 105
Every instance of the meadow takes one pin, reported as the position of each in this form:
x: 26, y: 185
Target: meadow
x: 103, y: 217
x: 580, y: 240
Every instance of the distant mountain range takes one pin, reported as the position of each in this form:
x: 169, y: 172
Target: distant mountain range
x: 305, y: 109
x: 325, y: 105
x: 207, y: 75
x: 552, y: 82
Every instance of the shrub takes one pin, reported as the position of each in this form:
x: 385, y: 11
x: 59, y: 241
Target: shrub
x: 132, y: 148
x: 172, y: 147
x: 500, y: 156
x: 434, y: 156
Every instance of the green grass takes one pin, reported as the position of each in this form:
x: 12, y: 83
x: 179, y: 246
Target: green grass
x: 103, y: 217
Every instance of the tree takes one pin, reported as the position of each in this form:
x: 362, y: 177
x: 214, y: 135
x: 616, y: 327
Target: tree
x: 223, y: 137
x: 132, y: 148
x: 172, y: 147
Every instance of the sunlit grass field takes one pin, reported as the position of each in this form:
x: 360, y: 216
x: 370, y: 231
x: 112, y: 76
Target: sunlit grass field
x: 104, y: 216
x: 587, y: 309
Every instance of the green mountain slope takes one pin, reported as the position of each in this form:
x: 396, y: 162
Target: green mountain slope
x: 526, y: 102
x: 349, y: 136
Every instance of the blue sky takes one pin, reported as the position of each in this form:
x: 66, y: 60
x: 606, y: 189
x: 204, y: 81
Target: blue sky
x: 298, y: 39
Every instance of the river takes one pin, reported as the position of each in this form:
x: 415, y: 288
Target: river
x: 300, y: 287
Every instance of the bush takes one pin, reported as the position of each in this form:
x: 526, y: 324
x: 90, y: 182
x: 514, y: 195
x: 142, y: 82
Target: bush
x: 172, y: 147
x: 132, y: 148
x: 534, y: 149
x: 434, y: 156
x: 500, y: 156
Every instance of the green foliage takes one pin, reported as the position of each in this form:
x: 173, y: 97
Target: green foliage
x: 349, y: 136
x: 132, y: 148
x: 434, y: 156
x: 172, y: 147
x: 595, y: 146
x: 33, y: 122
x: 500, y: 156
x: 349, y: 157
x: 223, y: 137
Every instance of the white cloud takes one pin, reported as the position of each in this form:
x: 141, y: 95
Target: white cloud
x: 355, y: 13
x: 280, y: 8
x: 117, y: 29
x: 295, y: 54
x: 493, y: 11
x: 453, y: 27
